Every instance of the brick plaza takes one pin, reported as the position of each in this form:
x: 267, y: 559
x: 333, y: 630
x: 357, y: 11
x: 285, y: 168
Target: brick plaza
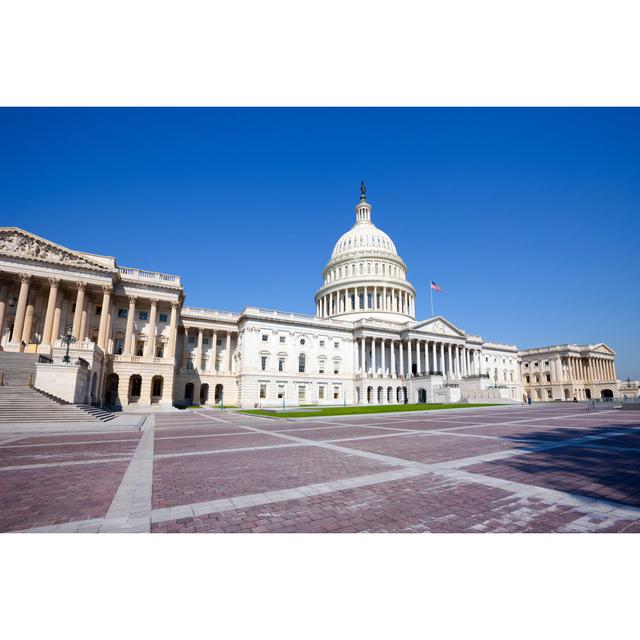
x: 552, y: 468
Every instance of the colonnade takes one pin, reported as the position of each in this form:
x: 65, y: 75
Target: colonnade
x: 413, y: 357
x: 51, y: 294
x: 584, y: 369
x: 196, y: 355
x: 366, y: 298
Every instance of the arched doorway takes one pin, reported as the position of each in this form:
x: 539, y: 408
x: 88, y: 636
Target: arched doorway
x: 389, y: 394
x: 566, y: 394
x: 188, y: 393
x: 157, y: 384
x: 414, y: 369
x: 135, y: 388
x: 606, y: 394
x: 380, y: 395
x: 399, y: 394
x: 404, y: 395
x: 588, y: 393
x: 218, y: 394
x: 204, y: 394
x: 111, y: 390
x: 369, y: 394
x: 422, y: 396
x: 358, y: 394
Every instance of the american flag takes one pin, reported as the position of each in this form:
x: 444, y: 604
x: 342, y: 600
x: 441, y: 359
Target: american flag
x: 435, y: 287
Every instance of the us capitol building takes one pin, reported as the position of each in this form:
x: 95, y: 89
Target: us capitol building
x: 134, y: 343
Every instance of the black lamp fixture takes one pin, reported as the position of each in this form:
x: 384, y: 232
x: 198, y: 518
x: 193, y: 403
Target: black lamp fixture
x: 69, y: 339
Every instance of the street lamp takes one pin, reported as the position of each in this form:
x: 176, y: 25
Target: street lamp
x: 68, y: 340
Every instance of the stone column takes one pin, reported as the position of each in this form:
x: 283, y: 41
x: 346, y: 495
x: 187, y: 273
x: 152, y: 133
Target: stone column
x: 28, y: 319
x: 185, y: 348
x: 409, y: 358
x: 433, y: 365
x: 77, y: 315
x: 107, y: 341
x: 150, y: 344
x: 440, y: 358
x: 401, y: 351
x: 4, y: 294
x: 57, y: 316
x: 173, y: 330
x: 392, y: 353
x: 383, y: 357
x: 228, y: 365
x: 129, y: 331
x: 212, y: 352
x: 199, y: 349
x: 104, y: 316
x: 54, y: 283
x: 613, y: 370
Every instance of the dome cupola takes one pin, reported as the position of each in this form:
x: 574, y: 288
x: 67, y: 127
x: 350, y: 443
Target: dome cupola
x: 365, y: 276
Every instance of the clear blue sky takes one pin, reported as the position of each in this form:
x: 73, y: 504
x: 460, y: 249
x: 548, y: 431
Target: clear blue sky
x: 528, y: 218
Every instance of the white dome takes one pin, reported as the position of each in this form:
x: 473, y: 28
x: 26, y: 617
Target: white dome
x: 363, y: 236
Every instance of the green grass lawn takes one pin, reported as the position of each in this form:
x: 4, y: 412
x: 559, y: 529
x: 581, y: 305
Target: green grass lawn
x: 343, y: 411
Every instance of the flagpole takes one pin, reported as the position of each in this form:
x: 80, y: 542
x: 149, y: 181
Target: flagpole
x: 431, y: 290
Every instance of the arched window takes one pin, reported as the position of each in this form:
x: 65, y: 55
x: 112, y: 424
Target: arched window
x: 361, y: 268
x: 302, y: 363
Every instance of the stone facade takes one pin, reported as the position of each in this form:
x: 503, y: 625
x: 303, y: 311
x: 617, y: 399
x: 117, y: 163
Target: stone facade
x: 568, y: 371
x: 142, y: 346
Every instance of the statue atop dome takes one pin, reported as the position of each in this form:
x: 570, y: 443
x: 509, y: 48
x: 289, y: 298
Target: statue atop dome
x: 363, y: 191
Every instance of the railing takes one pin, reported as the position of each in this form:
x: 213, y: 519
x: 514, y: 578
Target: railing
x: 83, y: 363
x: 140, y: 274
x: 43, y: 359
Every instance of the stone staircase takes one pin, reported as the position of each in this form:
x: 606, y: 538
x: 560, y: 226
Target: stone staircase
x: 19, y: 402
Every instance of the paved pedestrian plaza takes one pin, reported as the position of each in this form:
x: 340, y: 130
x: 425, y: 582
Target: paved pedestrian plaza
x: 552, y: 468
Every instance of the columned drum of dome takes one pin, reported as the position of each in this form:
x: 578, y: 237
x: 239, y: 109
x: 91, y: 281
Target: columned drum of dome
x: 365, y: 277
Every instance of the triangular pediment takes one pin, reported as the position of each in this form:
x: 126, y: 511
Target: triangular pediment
x: 440, y: 326
x: 603, y: 348
x: 18, y: 243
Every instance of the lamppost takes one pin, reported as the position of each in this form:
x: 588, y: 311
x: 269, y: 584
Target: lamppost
x: 68, y: 340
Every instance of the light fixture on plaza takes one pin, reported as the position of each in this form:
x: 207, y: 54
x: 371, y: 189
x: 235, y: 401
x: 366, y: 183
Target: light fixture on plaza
x: 69, y: 339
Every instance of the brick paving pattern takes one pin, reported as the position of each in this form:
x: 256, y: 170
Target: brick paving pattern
x: 555, y: 468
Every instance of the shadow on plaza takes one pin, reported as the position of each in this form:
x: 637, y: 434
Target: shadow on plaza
x: 584, y: 468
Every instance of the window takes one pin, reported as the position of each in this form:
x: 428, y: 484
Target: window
x: 280, y: 391
x: 321, y: 365
x: 547, y: 377
x: 282, y: 339
x: 302, y: 361
x: 98, y: 309
x: 205, y: 340
x: 219, y: 342
x: 321, y: 392
x: 265, y: 337
x: 156, y: 387
x: 263, y: 391
x: 164, y: 318
x: 549, y: 394
x: 336, y: 367
x: 322, y: 343
x: 73, y: 307
x: 526, y: 379
x: 302, y: 392
x: 191, y: 340
x: 123, y: 313
x: 160, y: 350
x: 526, y: 365
x: 303, y: 341
x: 119, y: 346
x: 281, y: 363
x: 143, y: 315
x: 336, y: 345
x: 336, y: 393
x: 263, y: 363
x: 546, y: 362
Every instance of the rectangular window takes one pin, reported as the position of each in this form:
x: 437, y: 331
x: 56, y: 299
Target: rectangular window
x: 219, y: 342
x: 163, y: 317
x: 143, y: 315
x: 280, y: 391
x: 280, y: 364
x: 546, y: 363
x: 263, y: 391
x: 282, y: 339
x: 123, y: 313
x: 265, y: 337
x: 119, y: 346
x: 549, y: 394
x: 191, y: 340
x: 302, y: 392
x: 205, y: 340
x: 336, y: 393
x: 263, y: 363
x: 321, y: 366
x: 322, y: 343
x: 321, y: 392
x: 336, y: 368
x: 336, y: 345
